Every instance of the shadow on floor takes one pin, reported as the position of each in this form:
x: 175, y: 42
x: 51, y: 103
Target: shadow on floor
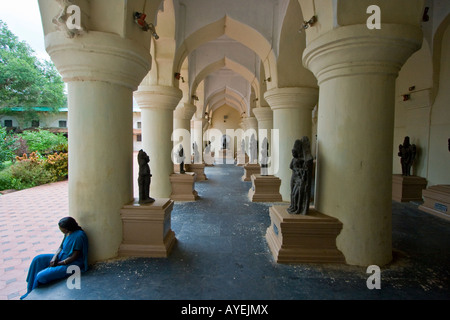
x: 221, y: 254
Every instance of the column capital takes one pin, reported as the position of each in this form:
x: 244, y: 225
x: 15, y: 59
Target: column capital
x: 250, y: 123
x: 99, y: 56
x: 263, y: 113
x: 185, y: 112
x: 293, y: 97
x: 158, y: 97
x: 354, y: 49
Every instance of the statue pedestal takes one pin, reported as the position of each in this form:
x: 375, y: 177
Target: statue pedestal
x: 209, y: 159
x: 303, y: 238
x: 225, y: 156
x: 407, y: 188
x: 198, y: 169
x: 265, y: 189
x: 183, y: 187
x: 437, y: 201
x: 249, y: 169
x: 242, y: 159
x: 147, y: 229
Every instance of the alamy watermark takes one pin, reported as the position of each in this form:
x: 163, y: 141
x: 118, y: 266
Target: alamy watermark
x: 74, y: 280
x: 374, y: 280
x: 374, y: 21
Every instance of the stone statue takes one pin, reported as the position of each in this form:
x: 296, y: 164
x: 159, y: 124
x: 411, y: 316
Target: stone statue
x: 144, y: 178
x: 243, y: 146
x: 180, y: 159
x: 224, y: 142
x: 253, y: 150
x: 265, y: 158
x: 407, y: 154
x: 196, y: 153
x: 301, y: 179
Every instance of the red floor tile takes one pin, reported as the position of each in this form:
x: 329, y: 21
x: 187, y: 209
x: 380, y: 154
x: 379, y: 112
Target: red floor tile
x: 28, y: 227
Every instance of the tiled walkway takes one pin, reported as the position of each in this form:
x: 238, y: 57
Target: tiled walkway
x: 220, y: 254
x: 28, y: 227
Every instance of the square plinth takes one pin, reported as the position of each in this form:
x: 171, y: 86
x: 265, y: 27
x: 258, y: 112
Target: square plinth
x: 183, y: 187
x: 241, y: 159
x: 147, y: 229
x: 407, y: 188
x: 437, y: 201
x: 198, y: 169
x: 249, y: 169
x: 265, y: 189
x: 303, y: 238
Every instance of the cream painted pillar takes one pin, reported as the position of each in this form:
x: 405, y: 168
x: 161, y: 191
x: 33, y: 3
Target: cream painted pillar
x: 292, y: 108
x: 101, y: 71
x: 182, y: 117
x: 264, y: 115
x: 249, y: 124
x: 157, y: 104
x: 197, y: 134
x: 357, y: 69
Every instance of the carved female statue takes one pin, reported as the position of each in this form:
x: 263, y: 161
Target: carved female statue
x: 144, y: 178
x: 301, y: 166
x: 407, y: 154
x: 295, y: 166
x: 181, y: 158
x: 308, y: 167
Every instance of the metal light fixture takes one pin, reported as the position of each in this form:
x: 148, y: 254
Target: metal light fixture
x: 139, y: 18
x: 307, y: 24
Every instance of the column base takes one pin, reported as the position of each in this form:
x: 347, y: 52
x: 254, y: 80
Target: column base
x: 198, y: 169
x: 241, y: 159
x: 224, y: 157
x: 209, y: 159
x: 303, y: 238
x: 147, y: 229
x: 183, y: 187
x: 265, y: 189
x: 249, y: 169
x: 437, y: 201
x: 407, y: 188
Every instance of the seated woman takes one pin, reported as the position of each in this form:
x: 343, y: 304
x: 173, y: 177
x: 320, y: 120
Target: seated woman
x: 73, y: 251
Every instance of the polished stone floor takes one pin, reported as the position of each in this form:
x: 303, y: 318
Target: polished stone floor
x: 221, y: 254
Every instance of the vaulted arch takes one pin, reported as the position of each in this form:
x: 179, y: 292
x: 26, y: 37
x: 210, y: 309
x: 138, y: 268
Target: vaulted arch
x: 229, y: 64
x: 237, y: 31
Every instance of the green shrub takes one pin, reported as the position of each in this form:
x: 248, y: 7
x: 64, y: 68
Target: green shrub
x: 6, y: 179
x: 6, y: 146
x: 29, y: 172
x: 44, y: 141
x: 57, y: 165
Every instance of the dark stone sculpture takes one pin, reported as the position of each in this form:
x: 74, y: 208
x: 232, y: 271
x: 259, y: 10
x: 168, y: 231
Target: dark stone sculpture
x: 407, y: 154
x: 144, y: 178
x: 181, y: 158
x: 302, y: 167
x: 265, y: 158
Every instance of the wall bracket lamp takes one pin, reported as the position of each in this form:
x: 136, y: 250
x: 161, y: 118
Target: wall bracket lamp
x: 307, y: 24
x: 139, y: 18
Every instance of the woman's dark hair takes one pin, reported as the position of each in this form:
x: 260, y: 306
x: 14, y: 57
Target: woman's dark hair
x: 69, y: 223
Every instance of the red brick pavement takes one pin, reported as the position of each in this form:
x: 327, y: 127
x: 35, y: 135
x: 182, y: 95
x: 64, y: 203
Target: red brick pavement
x: 28, y: 227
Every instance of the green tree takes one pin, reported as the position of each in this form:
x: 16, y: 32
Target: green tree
x: 25, y: 81
x: 6, y: 146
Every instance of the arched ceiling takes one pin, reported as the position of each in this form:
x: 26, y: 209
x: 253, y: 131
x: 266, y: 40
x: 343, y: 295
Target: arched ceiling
x: 229, y: 49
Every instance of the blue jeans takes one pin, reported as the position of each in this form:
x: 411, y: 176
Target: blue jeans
x: 40, y: 272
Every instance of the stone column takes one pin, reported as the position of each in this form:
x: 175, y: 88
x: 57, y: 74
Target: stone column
x: 182, y: 117
x: 101, y: 70
x: 357, y: 69
x: 157, y: 104
x: 292, y: 109
x: 197, y: 135
x: 264, y: 115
